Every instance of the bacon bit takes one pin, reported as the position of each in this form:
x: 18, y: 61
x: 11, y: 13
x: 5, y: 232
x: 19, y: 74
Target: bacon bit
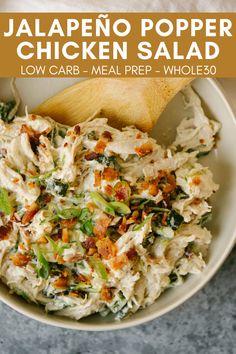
x: 108, y: 189
x: 57, y: 236
x: 21, y: 260
x: 97, y: 178
x: 73, y: 294
x: 47, y: 131
x: 100, y: 146
x: 142, y: 186
x: 144, y: 149
x: 65, y: 235
x: 133, y: 217
x: 30, y: 213
x: 106, y: 248
x: 161, y: 174
x: 196, y: 181
x: 33, y: 136
x: 91, y: 155
x: 123, y: 226
x: 121, y: 191
x: 107, y: 135
x: 14, y: 217
x: 196, y: 201
x: 90, y: 242
x: 201, y: 141
x: 32, y: 172
x: 77, y: 129
x: 59, y: 259
x: 42, y: 239
x: 66, y: 144
x: 139, y: 136
x: 91, y: 206
x: 15, y: 180
x: 65, y: 273
x: 74, y: 259
x: 33, y: 116
x: 30, y: 131
x: 101, y: 226
x: 153, y: 188
x: 31, y: 185
x: 106, y: 294
x: 27, y: 237
x: 168, y: 188
x: 109, y: 174
x: 91, y: 251
x: 81, y: 279
x: 46, y: 198
x: 119, y: 262
x: 61, y: 283
x: 144, y: 215
x: 131, y: 253
x: 171, y: 185
x: 164, y: 219
x: 21, y: 246
x: 68, y: 223
x: 4, y: 231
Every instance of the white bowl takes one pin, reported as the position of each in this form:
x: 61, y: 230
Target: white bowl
x: 223, y: 164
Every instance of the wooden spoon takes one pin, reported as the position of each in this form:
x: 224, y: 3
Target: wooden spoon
x: 138, y: 101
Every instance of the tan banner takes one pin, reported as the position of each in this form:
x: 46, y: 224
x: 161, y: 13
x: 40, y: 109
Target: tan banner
x: 117, y: 44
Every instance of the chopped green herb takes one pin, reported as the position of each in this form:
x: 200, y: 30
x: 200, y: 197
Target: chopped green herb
x: 87, y: 227
x: 203, y: 153
x: 92, y: 135
x: 5, y: 109
x: 122, y: 313
x: 99, y: 267
x: 58, y: 248
x: 102, y: 203
x: 173, y: 277
x: 57, y: 131
x: 69, y: 213
x: 57, y: 187
x: 80, y: 247
x: 85, y: 214
x: 164, y: 231
x: 83, y: 287
x: 109, y: 161
x: 43, y: 267
x: 86, y: 221
x: 22, y: 294
x: 119, y: 303
x: 120, y: 208
x: 174, y: 219
x: 205, y: 218
x: 62, y: 131
x: 145, y: 221
x: 43, y: 176
x: 148, y: 240
x: 5, y: 204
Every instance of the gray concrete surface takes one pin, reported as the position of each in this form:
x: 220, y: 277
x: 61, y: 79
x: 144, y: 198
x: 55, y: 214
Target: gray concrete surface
x: 206, y: 324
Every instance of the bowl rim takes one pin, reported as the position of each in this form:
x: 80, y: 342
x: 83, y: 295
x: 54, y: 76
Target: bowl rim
x: 77, y: 325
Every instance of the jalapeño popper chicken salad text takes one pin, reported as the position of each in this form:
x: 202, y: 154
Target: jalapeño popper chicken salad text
x: 94, y: 219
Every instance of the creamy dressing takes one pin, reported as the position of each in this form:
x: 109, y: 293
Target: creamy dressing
x: 101, y: 220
